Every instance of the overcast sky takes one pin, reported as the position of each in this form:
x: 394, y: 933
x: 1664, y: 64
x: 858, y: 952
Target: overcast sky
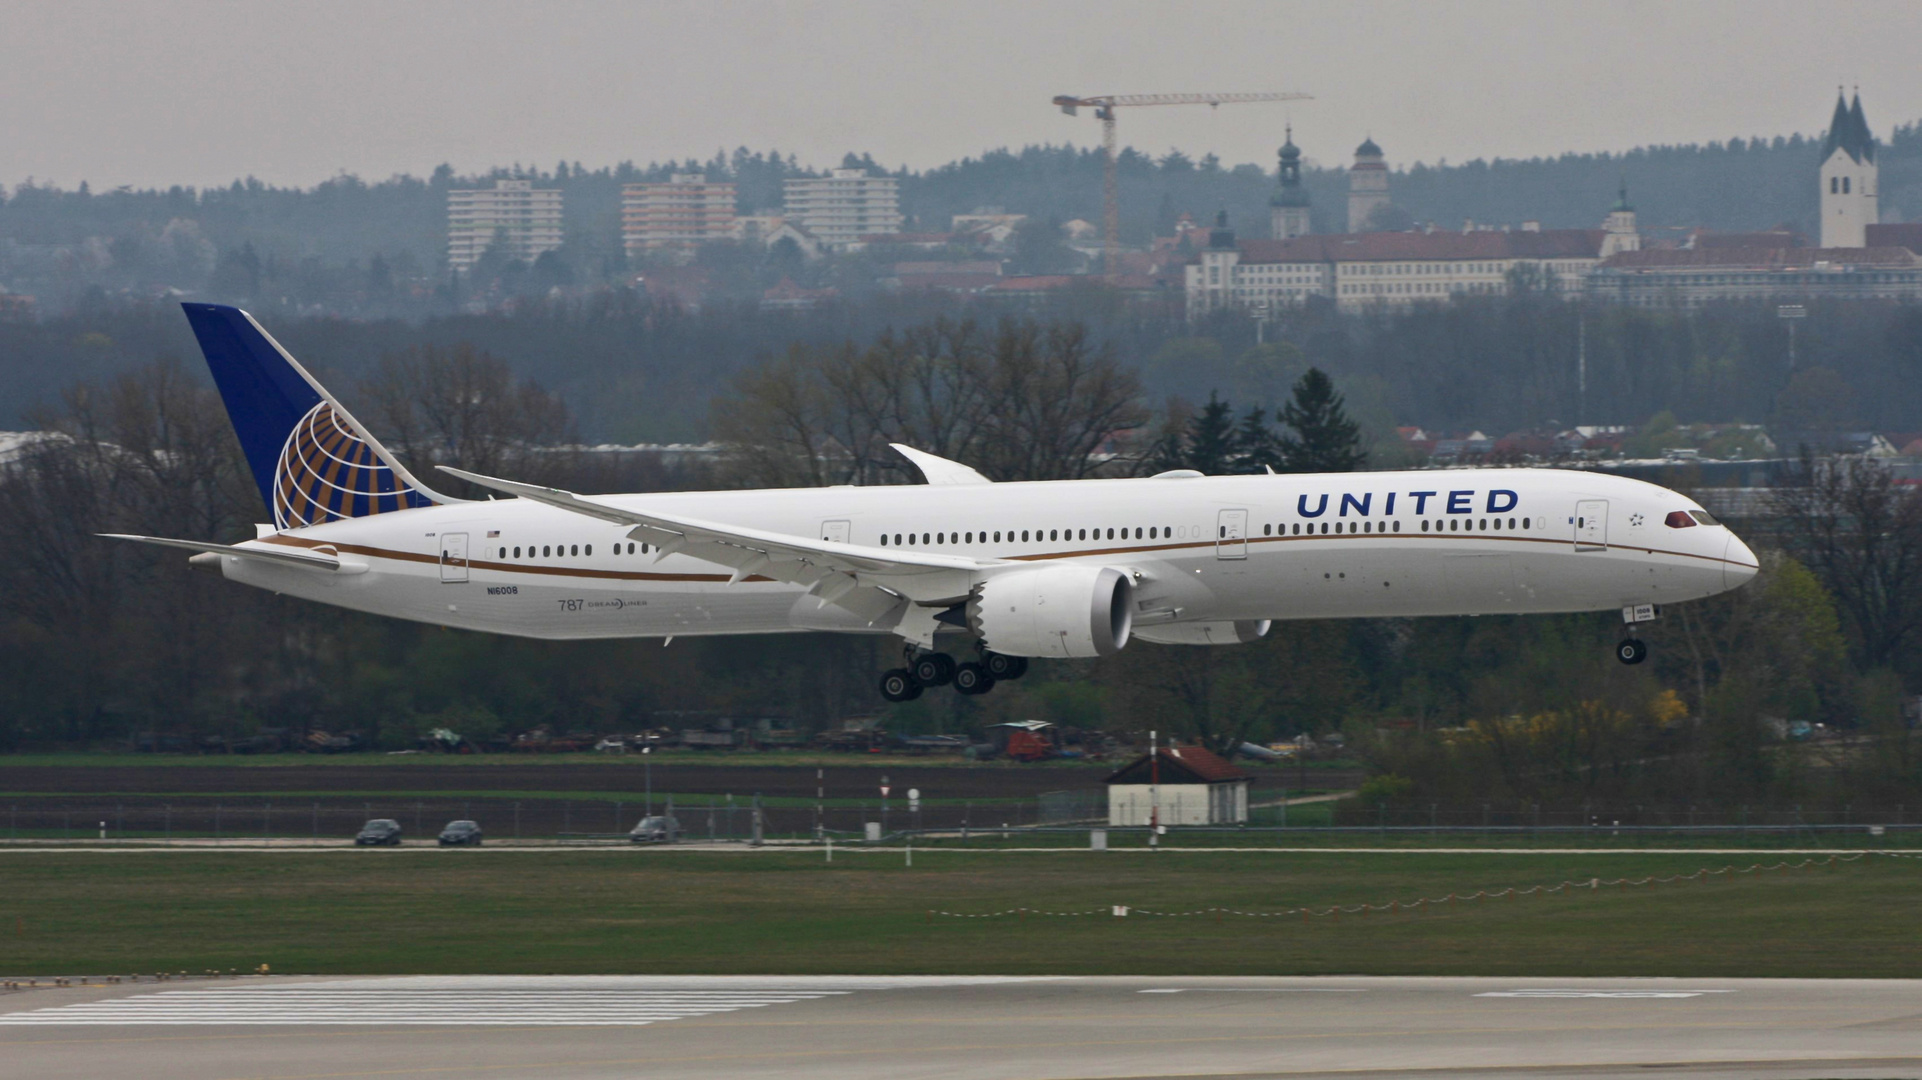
x: 202, y: 92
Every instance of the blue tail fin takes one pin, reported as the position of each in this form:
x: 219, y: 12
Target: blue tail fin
x: 313, y: 462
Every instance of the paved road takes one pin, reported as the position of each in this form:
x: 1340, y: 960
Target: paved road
x: 666, y: 1028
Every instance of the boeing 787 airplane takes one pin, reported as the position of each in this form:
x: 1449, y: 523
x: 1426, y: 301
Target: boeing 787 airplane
x: 1072, y: 568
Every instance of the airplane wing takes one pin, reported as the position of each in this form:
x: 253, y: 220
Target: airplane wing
x: 307, y: 558
x: 837, y: 573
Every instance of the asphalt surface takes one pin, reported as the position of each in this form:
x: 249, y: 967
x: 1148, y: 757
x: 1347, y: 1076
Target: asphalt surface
x: 666, y: 1028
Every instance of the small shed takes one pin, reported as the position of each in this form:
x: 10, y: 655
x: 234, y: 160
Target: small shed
x: 1195, y: 787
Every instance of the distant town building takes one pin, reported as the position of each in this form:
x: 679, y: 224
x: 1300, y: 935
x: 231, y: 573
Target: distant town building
x: 1692, y: 277
x: 1288, y: 210
x: 1363, y: 271
x: 756, y: 228
x: 685, y: 212
x: 523, y: 220
x: 1848, y: 177
x: 844, y: 206
x: 1367, y: 185
x: 1618, y: 231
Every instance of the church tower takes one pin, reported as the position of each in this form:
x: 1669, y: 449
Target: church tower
x: 1848, y: 177
x: 1288, y: 209
x: 1618, y: 232
x: 1367, y: 185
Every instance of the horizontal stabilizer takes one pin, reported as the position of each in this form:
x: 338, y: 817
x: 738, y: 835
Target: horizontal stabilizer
x: 306, y: 558
x: 939, y: 470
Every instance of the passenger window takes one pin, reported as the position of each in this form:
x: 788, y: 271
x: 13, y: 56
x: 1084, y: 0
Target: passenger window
x: 1267, y: 530
x: 590, y: 549
x: 1024, y: 535
x: 997, y: 536
x: 1054, y: 534
x: 1154, y: 534
x: 1524, y: 523
x: 1084, y: 534
x: 517, y: 553
x: 1424, y: 525
x: 884, y: 539
x: 970, y: 537
x: 547, y: 552
x: 1397, y: 526
x: 1511, y: 523
x: 924, y: 539
x: 575, y: 550
x: 503, y: 553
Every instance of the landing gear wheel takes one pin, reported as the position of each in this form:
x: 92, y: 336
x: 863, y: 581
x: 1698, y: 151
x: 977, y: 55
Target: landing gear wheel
x: 1004, y: 668
x: 1631, y: 651
x: 972, y: 678
x: 899, y: 684
x: 933, y: 669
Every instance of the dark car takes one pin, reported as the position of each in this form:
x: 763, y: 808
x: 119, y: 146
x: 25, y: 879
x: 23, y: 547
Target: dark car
x: 655, y: 829
x: 461, y: 834
x: 378, y: 832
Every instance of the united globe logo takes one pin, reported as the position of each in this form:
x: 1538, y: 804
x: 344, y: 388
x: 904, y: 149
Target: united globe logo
x: 327, y: 472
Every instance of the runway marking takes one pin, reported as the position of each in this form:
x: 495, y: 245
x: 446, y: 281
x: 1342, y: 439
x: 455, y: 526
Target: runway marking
x: 1625, y: 994
x: 1254, y: 990
x: 490, y: 1001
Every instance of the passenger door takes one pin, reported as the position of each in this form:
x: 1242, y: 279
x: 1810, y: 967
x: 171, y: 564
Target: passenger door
x: 453, y: 557
x: 1591, y: 525
x: 1231, y: 535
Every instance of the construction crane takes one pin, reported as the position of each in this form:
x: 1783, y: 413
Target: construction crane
x: 1104, y: 106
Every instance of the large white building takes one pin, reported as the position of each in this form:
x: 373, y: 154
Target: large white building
x: 844, y: 206
x: 523, y: 219
x: 1365, y: 271
x: 1848, y: 178
x: 684, y: 212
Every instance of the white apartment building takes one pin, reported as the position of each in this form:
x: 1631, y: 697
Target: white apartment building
x: 844, y: 206
x: 684, y: 212
x: 524, y: 219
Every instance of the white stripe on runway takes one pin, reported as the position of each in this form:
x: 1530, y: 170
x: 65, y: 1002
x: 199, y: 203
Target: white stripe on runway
x: 583, y: 1001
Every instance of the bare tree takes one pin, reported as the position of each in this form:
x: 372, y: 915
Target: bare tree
x: 1023, y: 402
x: 1860, y: 532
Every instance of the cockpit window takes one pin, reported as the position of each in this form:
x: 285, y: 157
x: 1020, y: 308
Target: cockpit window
x: 1703, y: 517
x: 1679, y: 519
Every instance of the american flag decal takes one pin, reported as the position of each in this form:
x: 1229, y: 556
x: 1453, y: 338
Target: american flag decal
x: 327, y: 472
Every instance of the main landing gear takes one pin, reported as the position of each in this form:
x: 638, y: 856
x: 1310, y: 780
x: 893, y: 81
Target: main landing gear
x: 939, y: 669
x: 1631, y: 651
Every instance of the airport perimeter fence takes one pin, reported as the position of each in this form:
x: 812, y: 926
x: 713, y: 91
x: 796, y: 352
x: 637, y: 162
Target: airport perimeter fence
x: 528, y: 820
x: 737, y: 819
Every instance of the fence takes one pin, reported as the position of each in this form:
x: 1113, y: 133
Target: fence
x: 733, y: 819
x: 317, y: 821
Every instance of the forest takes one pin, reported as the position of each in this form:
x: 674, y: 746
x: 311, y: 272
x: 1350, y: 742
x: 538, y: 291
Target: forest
x: 100, y: 642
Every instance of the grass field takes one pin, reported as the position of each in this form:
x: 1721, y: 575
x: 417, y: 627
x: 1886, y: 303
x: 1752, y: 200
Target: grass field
x: 790, y: 912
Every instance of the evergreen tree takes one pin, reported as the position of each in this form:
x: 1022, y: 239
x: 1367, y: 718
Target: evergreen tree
x: 1212, y: 446
x: 1324, y: 439
x: 1258, y: 447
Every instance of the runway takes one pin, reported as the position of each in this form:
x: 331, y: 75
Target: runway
x: 671, y: 1027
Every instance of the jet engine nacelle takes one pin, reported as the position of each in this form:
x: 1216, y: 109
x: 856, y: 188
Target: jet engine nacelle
x: 1239, y: 632
x: 1054, y: 611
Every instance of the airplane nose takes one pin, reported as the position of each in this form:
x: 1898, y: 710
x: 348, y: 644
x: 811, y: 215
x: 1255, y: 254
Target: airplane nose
x: 1739, y: 564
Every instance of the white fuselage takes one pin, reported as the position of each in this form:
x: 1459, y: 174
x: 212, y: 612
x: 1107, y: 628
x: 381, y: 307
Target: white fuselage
x: 1203, y: 549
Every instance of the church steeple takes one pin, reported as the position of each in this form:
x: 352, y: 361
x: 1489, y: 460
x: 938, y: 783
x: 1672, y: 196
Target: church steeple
x: 1288, y: 207
x: 1848, y: 176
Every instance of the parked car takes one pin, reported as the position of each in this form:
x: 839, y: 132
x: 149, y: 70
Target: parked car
x: 378, y: 832
x: 655, y: 829
x: 461, y: 834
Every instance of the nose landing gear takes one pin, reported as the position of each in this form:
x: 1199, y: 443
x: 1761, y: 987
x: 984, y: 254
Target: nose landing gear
x: 1630, y: 650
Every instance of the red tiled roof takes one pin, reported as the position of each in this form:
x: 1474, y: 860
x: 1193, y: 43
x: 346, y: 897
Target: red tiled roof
x: 1761, y: 258
x: 1198, y: 765
x: 1391, y: 246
